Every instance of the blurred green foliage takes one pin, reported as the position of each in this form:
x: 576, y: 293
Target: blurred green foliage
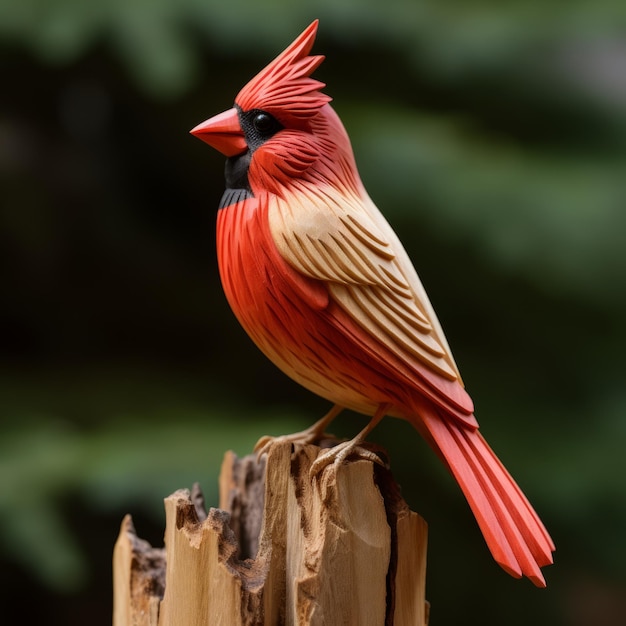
x: 493, y: 135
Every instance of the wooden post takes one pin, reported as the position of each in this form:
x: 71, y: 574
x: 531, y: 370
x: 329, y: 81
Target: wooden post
x: 281, y: 549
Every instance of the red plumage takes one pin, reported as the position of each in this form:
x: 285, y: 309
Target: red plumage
x: 321, y: 283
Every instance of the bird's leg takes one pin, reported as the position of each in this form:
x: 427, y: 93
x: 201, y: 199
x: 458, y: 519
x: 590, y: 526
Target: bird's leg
x: 310, y: 435
x: 338, y: 454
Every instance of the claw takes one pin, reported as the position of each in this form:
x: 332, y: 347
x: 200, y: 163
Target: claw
x: 267, y: 442
x: 345, y: 450
x: 337, y: 455
x: 312, y: 434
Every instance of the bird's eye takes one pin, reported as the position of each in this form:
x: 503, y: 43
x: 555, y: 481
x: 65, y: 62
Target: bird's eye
x: 258, y: 126
x: 264, y: 123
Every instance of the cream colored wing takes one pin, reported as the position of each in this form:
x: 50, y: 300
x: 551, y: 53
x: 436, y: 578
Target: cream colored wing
x: 345, y: 241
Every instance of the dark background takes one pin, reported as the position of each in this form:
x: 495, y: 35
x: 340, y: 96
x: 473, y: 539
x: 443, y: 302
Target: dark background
x: 493, y: 137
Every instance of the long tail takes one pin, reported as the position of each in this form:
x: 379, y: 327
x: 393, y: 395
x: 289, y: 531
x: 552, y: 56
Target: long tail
x: 513, y: 531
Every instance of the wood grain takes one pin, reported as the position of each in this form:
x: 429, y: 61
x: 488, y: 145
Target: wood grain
x: 281, y: 549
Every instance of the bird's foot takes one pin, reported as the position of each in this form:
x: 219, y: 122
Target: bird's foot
x: 353, y: 449
x: 302, y: 438
x: 324, y: 469
x: 313, y: 434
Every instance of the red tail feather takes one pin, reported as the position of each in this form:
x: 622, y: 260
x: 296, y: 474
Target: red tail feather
x: 514, y: 533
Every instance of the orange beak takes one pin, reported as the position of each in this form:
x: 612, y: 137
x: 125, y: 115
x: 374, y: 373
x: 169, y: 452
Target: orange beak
x: 223, y: 132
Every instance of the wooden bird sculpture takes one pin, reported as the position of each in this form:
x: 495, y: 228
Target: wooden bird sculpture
x: 322, y: 284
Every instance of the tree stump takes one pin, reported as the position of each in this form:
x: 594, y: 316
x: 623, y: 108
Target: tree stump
x: 281, y: 549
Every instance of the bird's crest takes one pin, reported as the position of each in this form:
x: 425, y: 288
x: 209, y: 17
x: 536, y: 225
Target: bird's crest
x: 284, y: 87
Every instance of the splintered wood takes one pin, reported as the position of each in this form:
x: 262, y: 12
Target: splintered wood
x: 282, y: 548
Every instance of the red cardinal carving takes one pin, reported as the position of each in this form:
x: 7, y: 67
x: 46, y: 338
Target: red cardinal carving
x: 323, y: 286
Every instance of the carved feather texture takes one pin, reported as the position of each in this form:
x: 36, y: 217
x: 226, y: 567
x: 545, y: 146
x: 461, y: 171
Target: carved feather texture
x: 518, y: 540
x: 284, y: 88
x: 321, y: 283
x: 342, y: 246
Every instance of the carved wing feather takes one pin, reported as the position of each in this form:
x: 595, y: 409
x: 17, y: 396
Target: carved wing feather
x: 335, y: 237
